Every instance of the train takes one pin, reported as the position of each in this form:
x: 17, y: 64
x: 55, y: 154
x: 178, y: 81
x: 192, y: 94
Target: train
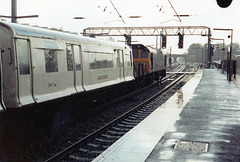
x: 40, y: 65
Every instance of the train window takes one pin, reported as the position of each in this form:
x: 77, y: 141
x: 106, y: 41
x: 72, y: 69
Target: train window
x: 77, y: 57
x: 121, y: 58
x: 131, y: 58
x: 100, y: 60
x: 51, y: 45
x: 51, y: 60
x: 69, y: 58
x: 144, y: 54
x: 151, y: 61
x: 23, y: 58
x: 117, y: 59
x: 135, y: 53
x: 92, y: 60
x: 104, y: 61
x: 110, y: 61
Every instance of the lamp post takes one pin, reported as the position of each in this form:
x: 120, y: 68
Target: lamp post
x: 229, y: 75
x: 223, y: 51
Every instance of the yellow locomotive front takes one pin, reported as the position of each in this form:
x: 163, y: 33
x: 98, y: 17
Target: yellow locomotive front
x: 148, y: 62
x: 140, y: 60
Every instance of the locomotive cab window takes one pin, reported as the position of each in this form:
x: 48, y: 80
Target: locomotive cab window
x: 23, y: 56
x: 135, y: 53
x: 144, y: 54
x: 51, y: 60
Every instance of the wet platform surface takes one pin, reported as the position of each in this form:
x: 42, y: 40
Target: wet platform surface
x: 201, y: 122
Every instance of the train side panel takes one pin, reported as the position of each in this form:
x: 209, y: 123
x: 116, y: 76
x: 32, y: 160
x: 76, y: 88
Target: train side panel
x: 157, y: 61
x: 128, y: 64
x: 100, y: 66
x: 49, y: 70
x: 9, y: 93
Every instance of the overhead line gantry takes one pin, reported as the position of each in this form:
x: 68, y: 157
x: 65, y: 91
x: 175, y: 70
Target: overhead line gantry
x: 128, y: 32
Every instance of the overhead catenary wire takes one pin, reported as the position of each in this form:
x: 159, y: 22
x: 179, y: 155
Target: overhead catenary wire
x: 174, y: 11
x: 117, y: 12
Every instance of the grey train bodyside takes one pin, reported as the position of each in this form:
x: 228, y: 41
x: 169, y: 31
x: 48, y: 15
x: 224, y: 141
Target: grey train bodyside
x: 39, y: 65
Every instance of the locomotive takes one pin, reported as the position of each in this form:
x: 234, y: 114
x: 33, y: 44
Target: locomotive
x: 148, y: 62
x: 39, y: 65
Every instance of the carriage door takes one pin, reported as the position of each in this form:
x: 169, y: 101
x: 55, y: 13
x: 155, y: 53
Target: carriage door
x: 78, y: 68
x: 120, y: 63
x: 24, y: 72
x: 2, y: 106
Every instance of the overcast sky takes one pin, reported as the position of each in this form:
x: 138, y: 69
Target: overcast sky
x: 60, y: 13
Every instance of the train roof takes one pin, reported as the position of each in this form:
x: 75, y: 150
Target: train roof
x: 143, y: 47
x: 29, y: 31
x: 25, y: 30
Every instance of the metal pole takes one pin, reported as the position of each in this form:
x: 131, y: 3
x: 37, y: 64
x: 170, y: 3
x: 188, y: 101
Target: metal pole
x: 230, y: 58
x: 228, y: 65
x: 223, y: 49
x: 209, y: 44
x: 170, y: 60
x: 202, y: 58
x: 14, y: 11
x: 156, y: 41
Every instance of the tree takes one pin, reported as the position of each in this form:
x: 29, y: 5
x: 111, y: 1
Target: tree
x: 235, y: 49
x: 219, y: 54
x: 195, y: 52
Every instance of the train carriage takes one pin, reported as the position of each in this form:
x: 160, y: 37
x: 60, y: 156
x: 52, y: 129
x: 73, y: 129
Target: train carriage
x: 39, y: 65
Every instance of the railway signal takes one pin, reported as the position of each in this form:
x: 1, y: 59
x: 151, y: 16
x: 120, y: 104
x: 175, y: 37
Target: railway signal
x: 164, y: 41
x: 180, y: 42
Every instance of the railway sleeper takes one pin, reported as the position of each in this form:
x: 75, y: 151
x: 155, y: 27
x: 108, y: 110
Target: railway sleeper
x: 124, y: 125
x: 114, y: 132
x: 83, y: 150
x: 93, y: 145
x: 121, y: 129
x: 111, y: 136
x: 104, y: 140
x: 79, y: 158
x: 129, y: 123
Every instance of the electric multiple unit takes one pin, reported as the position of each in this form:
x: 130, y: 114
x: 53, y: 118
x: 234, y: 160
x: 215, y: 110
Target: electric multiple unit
x: 39, y: 65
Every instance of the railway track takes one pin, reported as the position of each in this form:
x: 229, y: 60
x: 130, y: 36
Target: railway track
x: 89, y: 147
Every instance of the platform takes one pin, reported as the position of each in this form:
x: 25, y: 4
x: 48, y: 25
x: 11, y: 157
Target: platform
x: 201, y: 122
